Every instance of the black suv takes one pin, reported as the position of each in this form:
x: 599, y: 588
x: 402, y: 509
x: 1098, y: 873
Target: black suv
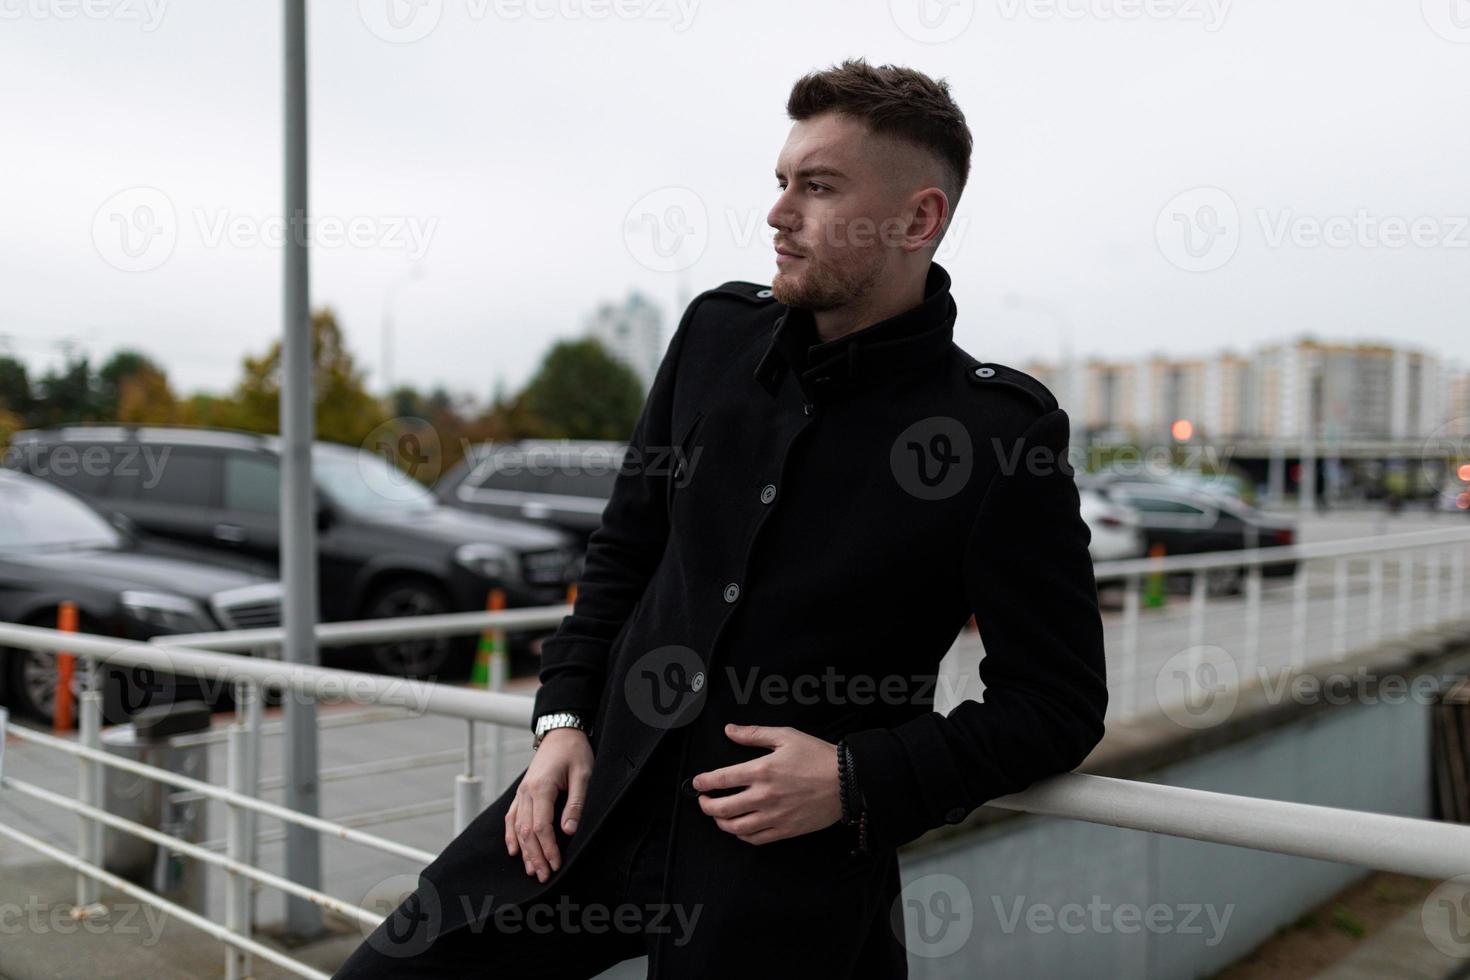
x: 385, y: 545
x: 55, y: 547
x: 561, y: 483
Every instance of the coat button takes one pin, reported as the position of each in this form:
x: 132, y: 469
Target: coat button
x: 732, y: 592
x: 687, y: 788
x: 955, y: 815
x: 679, y: 470
x: 696, y: 683
x: 764, y: 294
x: 768, y: 493
x: 806, y: 409
x: 985, y: 372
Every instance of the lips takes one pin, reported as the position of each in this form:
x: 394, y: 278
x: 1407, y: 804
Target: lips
x: 782, y: 250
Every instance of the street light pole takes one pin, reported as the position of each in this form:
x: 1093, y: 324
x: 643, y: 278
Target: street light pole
x: 390, y: 293
x: 1066, y: 369
x: 298, y: 504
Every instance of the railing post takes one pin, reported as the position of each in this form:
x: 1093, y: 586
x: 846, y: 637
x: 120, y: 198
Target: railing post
x: 467, y: 785
x: 1375, y: 600
x: 1406, y: 608
x: 90, y: 792
x: 1340, y: 568
x: 1431, y: 610
x: 250, y: 709
x: 1457, y: 581
x: 1299, y: 616
x: 1197, y: 587
x: 237, y: 842
x: 1252, y: 652
x: 1132, y: 586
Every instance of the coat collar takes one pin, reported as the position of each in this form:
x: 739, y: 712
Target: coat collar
x: 830, y: 369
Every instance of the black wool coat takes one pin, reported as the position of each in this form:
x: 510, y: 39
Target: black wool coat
x: 799, y: 532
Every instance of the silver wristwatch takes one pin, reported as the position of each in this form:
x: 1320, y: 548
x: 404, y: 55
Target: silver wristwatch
x: 558, y: 719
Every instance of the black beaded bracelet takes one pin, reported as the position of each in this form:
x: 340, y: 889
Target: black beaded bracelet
x: 853, y: 809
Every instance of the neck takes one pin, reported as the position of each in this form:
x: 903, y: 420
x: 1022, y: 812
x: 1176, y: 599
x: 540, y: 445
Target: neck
x: 886, y: 300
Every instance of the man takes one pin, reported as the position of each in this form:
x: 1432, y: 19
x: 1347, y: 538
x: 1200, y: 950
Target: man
x: 736, y: 721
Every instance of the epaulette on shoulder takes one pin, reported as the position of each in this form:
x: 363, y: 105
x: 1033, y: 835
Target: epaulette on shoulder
x: 750, y: 292
x: 988, y: 374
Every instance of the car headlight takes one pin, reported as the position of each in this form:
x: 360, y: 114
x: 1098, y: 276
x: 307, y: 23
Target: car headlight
x: 486, y: 560
x: 173, y: 613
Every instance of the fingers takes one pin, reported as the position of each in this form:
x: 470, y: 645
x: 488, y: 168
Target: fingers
x: 544, y: 799
x: 571, y: 814
x: 733, y: 805
x: 730, y: 777
x: 512, y: 846
x: 531, y: 855
x: 762, y: 735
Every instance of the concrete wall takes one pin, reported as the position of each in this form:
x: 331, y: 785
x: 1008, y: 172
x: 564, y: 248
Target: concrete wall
x: 1098, y: 901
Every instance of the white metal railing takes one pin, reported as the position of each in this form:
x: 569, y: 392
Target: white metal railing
x: 1417, y: 560
x: 1401, y: 844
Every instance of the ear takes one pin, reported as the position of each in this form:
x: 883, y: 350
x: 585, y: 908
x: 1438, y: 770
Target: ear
x: 928, y: 213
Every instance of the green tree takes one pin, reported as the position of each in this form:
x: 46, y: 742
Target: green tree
x: 345, y: 412
x: 68, y: 395
x: 115, y: 374
x: 15, y: 387
x: 580, y: 392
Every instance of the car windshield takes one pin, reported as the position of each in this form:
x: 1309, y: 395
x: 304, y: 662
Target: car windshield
x: 362, y: 483
x: 37, y: 517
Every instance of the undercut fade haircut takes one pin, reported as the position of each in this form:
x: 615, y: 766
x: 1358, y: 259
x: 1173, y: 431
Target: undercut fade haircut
x: 896, y: 102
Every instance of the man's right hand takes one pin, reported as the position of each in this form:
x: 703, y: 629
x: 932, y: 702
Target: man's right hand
x: 563, y: 762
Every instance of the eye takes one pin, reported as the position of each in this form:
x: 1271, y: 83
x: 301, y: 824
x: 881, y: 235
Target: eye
x: 815, y: 187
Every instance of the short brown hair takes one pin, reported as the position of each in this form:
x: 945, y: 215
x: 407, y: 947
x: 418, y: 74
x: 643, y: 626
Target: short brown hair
x: 896, y: 102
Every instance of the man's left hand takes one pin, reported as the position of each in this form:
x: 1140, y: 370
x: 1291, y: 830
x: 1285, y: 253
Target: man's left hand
x: 792, y: 790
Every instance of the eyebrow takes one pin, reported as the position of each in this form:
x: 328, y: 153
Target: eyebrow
x: 818, y: 171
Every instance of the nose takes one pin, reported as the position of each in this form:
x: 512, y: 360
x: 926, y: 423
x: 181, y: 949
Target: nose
x: 783, y: 216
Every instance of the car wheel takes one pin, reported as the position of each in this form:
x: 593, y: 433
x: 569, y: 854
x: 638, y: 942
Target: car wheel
x: 33, y: 683
x: 417, y: 658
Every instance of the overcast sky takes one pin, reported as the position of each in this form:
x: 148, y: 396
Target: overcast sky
x: 1172, y: 175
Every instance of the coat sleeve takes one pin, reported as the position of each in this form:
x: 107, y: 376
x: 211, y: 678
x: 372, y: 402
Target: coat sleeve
x: 1028, y: 578
x: 622, y: 553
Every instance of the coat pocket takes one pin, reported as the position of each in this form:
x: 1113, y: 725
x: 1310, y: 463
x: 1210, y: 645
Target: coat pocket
x: 682, y: 457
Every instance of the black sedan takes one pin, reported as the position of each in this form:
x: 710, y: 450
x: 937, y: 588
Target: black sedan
x: 1183, y: 521
x: 55, y: 547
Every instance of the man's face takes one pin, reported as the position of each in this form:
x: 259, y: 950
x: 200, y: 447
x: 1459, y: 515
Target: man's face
x: 840, y: 211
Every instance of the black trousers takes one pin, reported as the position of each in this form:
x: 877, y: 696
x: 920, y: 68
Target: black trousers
x: 592, y: 918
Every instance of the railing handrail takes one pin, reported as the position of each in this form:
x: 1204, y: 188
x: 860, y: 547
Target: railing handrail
x: 318, y: 683
x: 1346, y: 548
x: 350, y: 632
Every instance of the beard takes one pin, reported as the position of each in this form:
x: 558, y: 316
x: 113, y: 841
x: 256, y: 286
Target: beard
x: 820, y: 286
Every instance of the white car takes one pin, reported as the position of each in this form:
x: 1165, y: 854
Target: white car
x: 1116, y: 532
